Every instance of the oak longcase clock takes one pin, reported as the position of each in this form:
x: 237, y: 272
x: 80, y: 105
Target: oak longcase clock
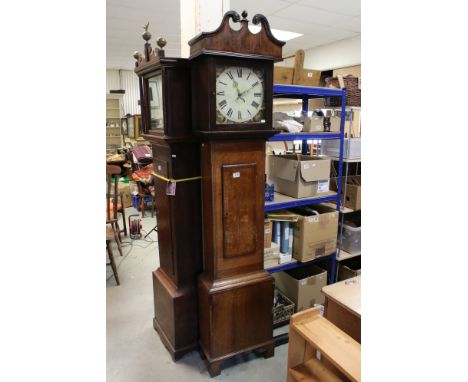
x: 232, y: 84
x: 166, y: 124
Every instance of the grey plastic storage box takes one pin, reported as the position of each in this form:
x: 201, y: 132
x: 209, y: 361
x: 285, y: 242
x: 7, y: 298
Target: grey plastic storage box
x: 351, y: 148
x: 351, y: 242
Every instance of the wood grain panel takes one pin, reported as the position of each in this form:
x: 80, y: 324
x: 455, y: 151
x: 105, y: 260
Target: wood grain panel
x: 239, y: 210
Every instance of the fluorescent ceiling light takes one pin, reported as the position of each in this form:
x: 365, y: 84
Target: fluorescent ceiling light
x: 279, y: 34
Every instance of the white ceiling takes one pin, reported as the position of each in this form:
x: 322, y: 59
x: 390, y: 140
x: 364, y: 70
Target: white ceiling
x: 320, y: 21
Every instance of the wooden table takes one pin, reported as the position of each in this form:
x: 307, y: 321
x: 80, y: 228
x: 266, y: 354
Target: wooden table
x: 343, y: 306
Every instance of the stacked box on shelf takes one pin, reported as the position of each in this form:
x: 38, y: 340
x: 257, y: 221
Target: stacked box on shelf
x: 299, y: 176
x: 353, y: 190
x: 315, y: 232
x: 349, y: 268
x: 302, y: 285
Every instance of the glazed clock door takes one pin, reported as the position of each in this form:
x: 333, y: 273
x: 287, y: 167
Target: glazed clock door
x: 156, y: 102
x: 240, y: 94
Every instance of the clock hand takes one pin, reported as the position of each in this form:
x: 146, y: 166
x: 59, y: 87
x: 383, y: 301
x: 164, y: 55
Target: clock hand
x: 245, y: 91
x: 236, y: 85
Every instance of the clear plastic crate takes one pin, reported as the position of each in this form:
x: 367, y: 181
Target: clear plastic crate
x: 351, y: 242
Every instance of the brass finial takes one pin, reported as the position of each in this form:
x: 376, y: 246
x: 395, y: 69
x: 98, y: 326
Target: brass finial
x: 136, y: 55
x: 244, y: 14
x: 146, y: 35
x: 161, y: 42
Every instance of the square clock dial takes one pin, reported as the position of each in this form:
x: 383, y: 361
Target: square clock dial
x: 240, y: 95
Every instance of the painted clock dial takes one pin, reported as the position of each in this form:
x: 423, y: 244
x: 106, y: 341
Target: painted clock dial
x: 240, y: 95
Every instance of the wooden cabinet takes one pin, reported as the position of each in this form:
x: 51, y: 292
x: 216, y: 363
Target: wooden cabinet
x: 113, y: 122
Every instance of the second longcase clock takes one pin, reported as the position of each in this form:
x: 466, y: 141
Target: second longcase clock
x: 165, y: 104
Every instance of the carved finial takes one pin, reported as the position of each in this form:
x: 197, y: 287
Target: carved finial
x: 146, y: 35
x: 244, y: 14
x: 136, y: 55
x: 161, y: 42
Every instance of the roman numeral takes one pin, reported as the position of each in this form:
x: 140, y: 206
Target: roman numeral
x: 249, y: 74
x: 239, y: 72
x: 229, y: 113
x: 248, y: 111
x: 230, y: 75
x: 239, y: 115
x: 255, y: 84
x: 255, y: 104
x: 222, y: 104
x: 256, y: 94
x: 221, y: 93
x: 221, y: 82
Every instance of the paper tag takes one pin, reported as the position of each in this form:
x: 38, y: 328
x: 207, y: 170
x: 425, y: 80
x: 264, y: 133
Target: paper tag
x: 236, y: 175
x: 159, y: 167
x: 312, y: 219
x: 306, y: 166
x: 322, y: 186
x: 174, y: 156
x: 310, y: 74
x: 147, y: 155
x: 171, y: 188
x: 268, y: 230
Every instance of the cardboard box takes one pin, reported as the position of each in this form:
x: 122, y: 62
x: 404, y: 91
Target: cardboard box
x: 271, y: 256
x: 309, y: 77
x: 124, y: 188
x: 283, y: 75
x: 349, y: 268
x: 267, y: 234
x: 351, y: 148
x: 299, y: 176
x: 315, y: 235
x: 353, y: 191
x: 302, y: 285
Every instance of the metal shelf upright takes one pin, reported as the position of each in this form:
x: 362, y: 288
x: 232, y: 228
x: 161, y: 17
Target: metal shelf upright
x: 305, y: 93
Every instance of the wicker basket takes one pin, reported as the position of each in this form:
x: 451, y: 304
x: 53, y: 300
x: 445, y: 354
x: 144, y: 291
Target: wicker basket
x: 352, y: 89
x: 283, y: 309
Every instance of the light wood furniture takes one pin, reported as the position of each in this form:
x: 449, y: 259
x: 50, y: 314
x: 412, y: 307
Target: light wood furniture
x: 340, y: 355
x: 113, y: 121
x: 343, y: 306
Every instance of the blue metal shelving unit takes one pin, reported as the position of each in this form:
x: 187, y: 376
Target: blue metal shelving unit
x: 305, y: 93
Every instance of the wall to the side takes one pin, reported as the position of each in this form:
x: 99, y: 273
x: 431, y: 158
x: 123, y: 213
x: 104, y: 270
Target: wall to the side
x: 335, y: 55
x: 127, y: 80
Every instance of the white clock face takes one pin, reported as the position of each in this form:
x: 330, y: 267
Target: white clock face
x: 239, y: 95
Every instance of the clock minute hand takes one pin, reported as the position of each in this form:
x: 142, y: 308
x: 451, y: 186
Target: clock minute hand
x: 245, y: 91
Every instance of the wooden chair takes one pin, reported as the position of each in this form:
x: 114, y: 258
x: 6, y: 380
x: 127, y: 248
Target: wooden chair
x: 144, y: 190
x: 112, y: 224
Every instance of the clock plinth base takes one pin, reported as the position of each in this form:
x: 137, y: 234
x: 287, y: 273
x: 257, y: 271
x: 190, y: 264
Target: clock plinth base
x: 235, y: 317
x: 175, y: 315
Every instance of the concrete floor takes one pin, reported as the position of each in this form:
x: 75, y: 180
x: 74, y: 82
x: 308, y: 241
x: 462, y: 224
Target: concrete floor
x: 134, y: 350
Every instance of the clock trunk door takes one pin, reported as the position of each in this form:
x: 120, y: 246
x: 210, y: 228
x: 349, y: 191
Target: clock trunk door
x: 237, y: 191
